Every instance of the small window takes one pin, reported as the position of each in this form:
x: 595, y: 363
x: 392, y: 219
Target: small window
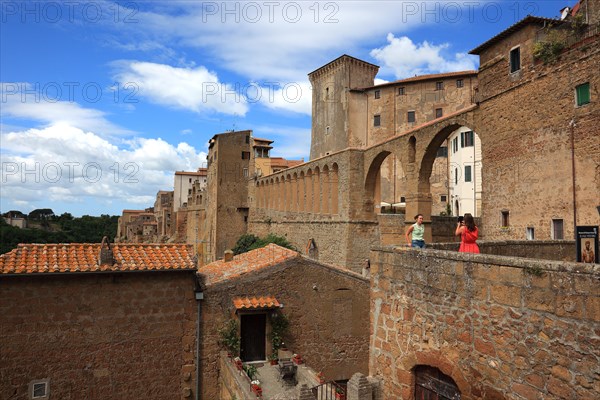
x: 515, y: 59
x: 411, y: 116
x: 245, y: 170
x: 439, y: 113
x: 402, y: 199
x: 460, y: 83
x: 39, y: 389
x: 401, y: 91
x: 439, y: 85
x: 245, y: 155
x: 455, y: 144
x: 247, y: 138
x: 557, y: 229
x: 455, y: 176
x: 467, y: 139
x: 442, y: 151
x: 505, y: 218
x: 582, y: 93
x: 467, y: 173
x: 378, y: 94
x: 376, y: 120
x: 443, y: 198
x: 530, y: 233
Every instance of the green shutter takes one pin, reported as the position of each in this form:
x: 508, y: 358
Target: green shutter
x: 583, y: 94
x: 467, y: 173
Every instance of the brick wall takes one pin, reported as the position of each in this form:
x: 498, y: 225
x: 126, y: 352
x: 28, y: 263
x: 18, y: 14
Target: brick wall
x: 109, y: 336
x: 329, y: 324
x: 500, y: 327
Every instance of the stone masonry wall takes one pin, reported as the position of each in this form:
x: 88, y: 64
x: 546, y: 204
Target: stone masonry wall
x: 99, y: 336
x: 328, y: 310
x: 557, y: 250
x: 500, y: 327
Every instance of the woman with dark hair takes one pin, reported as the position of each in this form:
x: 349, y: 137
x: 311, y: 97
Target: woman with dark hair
x: 468, y: 233
x: 415, y: 232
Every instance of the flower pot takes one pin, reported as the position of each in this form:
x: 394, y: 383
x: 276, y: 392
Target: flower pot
x: 257, y: 390
x: 273, y: 362
x: 340, y: 396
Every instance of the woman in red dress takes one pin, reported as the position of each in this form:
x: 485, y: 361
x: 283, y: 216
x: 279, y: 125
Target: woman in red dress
x: 468, y: 233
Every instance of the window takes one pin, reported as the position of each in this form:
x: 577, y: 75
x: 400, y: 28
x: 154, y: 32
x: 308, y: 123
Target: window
x: 582, y: 93
x: 505, y: 219
x: 376, y: 120
x: 467, y: 139
x: 245, y: 170
x: 401, y: 91
x: 327, y: 130
x: 557, y: 229
x: 443, y: 198
x: 245, y: 155
x: 411, y: 116
x: 439, y: 85
x: 515, y: 59
x: 442, y: 151
x: 402, y: 199
x: 467, y: 173
x: 247, y: 138
x: 455, y: 176
x: 261, y: 153
x: 438, y: 113
x: 460, y: 83
x: 377, y: 94
x: 530, y: 233
x: 39, y: 389
x: 455, y: 144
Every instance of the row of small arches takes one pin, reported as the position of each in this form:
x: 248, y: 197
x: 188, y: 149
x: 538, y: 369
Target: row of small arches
x: 315, y: 190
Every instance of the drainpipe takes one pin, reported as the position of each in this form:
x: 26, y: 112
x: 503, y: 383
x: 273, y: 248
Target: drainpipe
x: 199, y: 296
x: 572, y: 125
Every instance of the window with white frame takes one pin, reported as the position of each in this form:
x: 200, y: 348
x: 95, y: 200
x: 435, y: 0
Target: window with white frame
x: 378, y: 94
x: 39, y: 389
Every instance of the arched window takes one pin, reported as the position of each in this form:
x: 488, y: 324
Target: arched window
x: 432, y: 384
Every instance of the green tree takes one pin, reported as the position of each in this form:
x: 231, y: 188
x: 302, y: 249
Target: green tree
x: 251, y: 242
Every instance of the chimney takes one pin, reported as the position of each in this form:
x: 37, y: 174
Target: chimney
x: 106, y: 254
x: 228, y: 255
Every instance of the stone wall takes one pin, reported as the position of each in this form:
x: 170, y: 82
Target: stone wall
x: 531, y: 130
x: 99, y: 336
x: 500, y: 327
x: 557, y: 250
x: 328, y: 310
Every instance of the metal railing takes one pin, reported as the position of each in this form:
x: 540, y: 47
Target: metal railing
x: 330, y: 391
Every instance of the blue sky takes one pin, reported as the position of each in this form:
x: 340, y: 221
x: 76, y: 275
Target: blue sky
x: 102, y: 101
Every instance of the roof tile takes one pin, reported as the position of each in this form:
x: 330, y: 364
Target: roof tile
x: 83, y: 257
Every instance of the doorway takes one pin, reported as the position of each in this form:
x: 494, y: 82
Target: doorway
x: 253, y: 335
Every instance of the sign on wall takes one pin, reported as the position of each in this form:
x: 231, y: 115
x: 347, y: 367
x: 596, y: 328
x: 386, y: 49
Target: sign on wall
x: 587, y: 244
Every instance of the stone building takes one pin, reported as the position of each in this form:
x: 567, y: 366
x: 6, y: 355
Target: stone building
x: 326, y: 306
x: 91, y: 321
x: 163, y: 213
x: 183, y: 182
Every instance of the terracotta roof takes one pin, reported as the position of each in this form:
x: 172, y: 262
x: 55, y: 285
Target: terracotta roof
x: 262, y: 140
x: 134, y: 211
x: 244, y: 263
x: 255, y: 303
x: 424, y: 78
x: 512, y: 29
x: 83, y: 257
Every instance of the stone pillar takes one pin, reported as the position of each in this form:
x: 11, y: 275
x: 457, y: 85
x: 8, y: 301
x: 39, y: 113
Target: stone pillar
x: 359, y: 388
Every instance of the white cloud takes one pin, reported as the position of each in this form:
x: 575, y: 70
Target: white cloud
x: 295, y: 97
x: 62, y: 163
x: 27, y: 101
x: 290, y: 142
x: 194, y: 89
x: 407, y: 59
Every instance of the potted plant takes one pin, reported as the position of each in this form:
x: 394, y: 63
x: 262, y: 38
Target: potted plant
x: 238, y: 363
x: 339, y: 393
x: 279, y: 328
x: 297, y: 358
x: 273, y: 358
x: 255, y: 387
x: 321, y: 377
x: 229, y: 337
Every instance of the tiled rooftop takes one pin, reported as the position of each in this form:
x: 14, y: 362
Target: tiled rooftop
x: 244, y: 263
x: 84, y: 257
x: 255, y: 303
